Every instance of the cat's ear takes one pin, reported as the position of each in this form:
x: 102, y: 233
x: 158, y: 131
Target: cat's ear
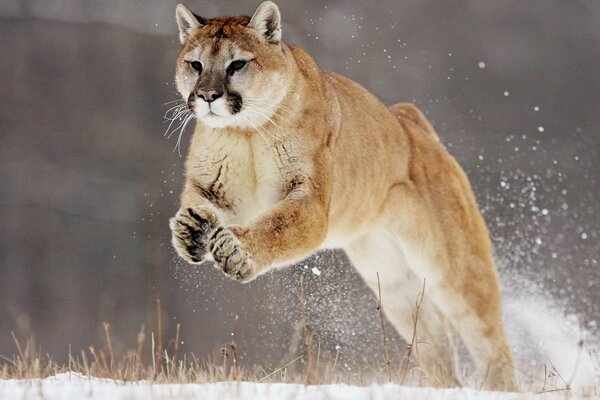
x: 187, y: 21
x: 267, y: 21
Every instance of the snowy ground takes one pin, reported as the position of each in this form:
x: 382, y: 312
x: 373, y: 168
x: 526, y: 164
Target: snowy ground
x: 73, y: 386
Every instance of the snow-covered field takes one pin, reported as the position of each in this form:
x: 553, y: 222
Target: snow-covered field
x: 77, y: 387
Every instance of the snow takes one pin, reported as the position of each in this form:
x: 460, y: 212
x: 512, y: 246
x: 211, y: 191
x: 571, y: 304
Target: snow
x: 544, y: 338
x: 74, y: 386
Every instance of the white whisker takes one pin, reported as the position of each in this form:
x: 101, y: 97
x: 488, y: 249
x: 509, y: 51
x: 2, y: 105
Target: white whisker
x: 178, y: 144
x: 256, y: 129
x: 172, y: 101
x: 253, y: 107
x: 274, y: 136
x: 179, y: 116
x: 256, y: 105
x: 178, y: 127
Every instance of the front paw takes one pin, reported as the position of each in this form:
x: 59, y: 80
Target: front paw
x: 190, y: 230
x: 231, y: 256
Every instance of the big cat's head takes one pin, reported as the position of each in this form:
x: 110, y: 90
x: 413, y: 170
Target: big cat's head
x: 231, y: 70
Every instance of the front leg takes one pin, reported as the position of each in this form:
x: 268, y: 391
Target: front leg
x: 198, y: 217
x: 289, y: 232
x: 231, y: 255
x: 190, y: 232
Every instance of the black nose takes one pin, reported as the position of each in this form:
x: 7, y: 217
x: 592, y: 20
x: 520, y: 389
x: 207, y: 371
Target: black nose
x: 209, y: 95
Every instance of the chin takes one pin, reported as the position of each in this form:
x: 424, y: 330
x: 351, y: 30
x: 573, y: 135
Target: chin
x: 215, y: 121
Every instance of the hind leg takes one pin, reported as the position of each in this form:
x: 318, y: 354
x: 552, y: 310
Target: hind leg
x: 450, y: 249
x: 377, y: 252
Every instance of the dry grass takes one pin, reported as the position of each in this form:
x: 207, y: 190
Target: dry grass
x: 150, y: 360
x: 145, y: 362
x: 168, y: 366
x: 156, y: 364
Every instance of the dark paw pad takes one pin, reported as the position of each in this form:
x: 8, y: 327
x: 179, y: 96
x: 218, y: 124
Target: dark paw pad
x: 230, y: 255
x: 190, y: 233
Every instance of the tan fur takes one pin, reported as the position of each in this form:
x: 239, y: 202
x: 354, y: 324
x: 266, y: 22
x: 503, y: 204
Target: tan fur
x: 325, y: 164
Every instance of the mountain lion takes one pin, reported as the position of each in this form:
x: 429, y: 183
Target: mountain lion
x: 287, y: 159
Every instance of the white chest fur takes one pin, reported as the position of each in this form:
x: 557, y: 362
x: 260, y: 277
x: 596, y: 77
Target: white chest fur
x: 249, y: 173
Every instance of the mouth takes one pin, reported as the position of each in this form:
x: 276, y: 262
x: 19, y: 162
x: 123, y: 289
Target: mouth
x: 214, y: 120
x: 212, y: 114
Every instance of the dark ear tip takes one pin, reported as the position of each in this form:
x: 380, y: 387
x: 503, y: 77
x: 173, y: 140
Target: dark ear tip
x: 200, y: 19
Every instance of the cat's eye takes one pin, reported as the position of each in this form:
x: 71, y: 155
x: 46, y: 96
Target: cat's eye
x: 197, y: 65
x: 236, y: 66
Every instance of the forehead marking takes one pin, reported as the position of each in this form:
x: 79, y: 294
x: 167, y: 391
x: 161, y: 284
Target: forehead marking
x: 220, y: 34
x: 219, y: 31
x: 216, y: 46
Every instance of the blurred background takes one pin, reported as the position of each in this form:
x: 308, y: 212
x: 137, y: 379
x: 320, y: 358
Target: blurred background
x: 89, y: 181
